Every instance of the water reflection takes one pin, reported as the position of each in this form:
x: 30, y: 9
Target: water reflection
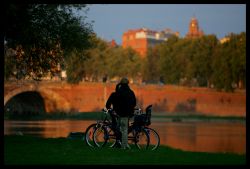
x: 46, y: 128
x: 204, y: 136
x: 191, y: 136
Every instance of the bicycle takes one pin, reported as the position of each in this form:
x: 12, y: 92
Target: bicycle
x: 106, y: 135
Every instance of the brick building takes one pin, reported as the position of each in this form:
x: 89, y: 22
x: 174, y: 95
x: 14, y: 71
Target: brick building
x: 141, y: 39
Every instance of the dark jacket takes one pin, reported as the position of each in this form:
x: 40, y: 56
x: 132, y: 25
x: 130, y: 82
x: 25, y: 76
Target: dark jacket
x: 123, y: 100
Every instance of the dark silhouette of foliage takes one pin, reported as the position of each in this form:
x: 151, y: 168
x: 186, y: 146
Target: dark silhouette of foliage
x: 42, y: 36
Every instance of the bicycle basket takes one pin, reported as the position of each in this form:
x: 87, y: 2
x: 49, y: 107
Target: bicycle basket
x: 142, y: 120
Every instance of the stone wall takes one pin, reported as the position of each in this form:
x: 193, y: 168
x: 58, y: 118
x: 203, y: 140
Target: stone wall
x: 89, y: 97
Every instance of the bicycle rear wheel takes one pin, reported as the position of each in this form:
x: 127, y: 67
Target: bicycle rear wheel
x: 89, y: 135
x: 141, y: 139
x: 154, y: 138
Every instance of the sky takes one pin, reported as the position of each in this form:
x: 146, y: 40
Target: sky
x: 112, y: 20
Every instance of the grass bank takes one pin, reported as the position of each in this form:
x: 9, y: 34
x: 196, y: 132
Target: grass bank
x: 27, y: 150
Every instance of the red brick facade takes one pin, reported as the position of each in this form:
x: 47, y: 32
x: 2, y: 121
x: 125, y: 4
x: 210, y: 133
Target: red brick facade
x: 141, y: 39
x: 139, y: 45
x: 93, y: 96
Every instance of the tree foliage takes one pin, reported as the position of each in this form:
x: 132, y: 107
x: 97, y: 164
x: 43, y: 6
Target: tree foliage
x: 201, y: 62
x: 151, y: 66
x: 106, y: 61
x: 195, y: 62
x: 43, y: 37
x: 229, y: 61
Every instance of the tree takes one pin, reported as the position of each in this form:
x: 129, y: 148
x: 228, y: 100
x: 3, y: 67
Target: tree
x: 131, y: 63
x: 237, y: 44
x: 104, y: 60
x: 96, y: 63
x: 167, y: 62
x: 222, y: 75
x: 43, y: 36
x: 229, y: 63
x: 75, y: 66
x: 202, y: 59
x: 177, y: 63
x: 151, y: 68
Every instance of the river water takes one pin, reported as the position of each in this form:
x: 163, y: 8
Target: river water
x: 197, y: 136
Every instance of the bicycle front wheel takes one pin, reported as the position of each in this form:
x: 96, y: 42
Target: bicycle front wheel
x: 154, y: 138
x: 100, y: 136
x: 89, y: 135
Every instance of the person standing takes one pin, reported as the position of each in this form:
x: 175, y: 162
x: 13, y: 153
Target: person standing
x: 112, y: 103
x: 124, y: 102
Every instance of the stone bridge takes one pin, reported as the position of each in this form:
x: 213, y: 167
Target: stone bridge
x: 49, y: 97
x: 33, y: 97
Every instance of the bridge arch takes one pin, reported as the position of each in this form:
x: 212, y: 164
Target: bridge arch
x: 32, y: 97
x: 25, y: 103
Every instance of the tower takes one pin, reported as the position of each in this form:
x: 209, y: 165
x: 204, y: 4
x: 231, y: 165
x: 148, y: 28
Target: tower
x: 194, y: 30
x: 113, y: 43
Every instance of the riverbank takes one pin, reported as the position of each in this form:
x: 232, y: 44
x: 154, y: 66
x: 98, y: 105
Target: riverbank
x: 180, y: 117
x: 28, y: 150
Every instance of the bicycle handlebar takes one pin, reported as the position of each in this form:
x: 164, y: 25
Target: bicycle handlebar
x: 137, y: 111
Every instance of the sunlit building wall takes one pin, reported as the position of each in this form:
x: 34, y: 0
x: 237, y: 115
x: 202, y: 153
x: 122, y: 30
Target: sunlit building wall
x: 141, y: 39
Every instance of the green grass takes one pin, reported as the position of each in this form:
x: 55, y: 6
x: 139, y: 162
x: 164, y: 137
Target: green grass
x: 28, y: 150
